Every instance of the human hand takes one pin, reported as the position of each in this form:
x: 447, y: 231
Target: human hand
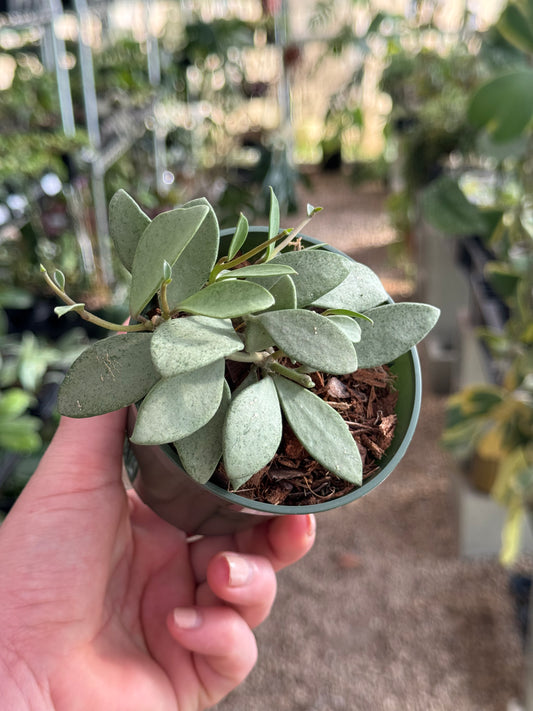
x: 104, y: 606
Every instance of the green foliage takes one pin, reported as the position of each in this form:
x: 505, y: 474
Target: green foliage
x: 19, y: 431
x: 280, y: 309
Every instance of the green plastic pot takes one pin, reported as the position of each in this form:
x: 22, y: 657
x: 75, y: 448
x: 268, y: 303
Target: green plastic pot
x: 162, y: 484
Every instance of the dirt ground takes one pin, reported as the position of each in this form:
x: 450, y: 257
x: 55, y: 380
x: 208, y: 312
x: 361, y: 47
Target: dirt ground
x: 383, y: 615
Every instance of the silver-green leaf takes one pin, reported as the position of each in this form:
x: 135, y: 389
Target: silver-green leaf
x: 228, y: 299
x: 311, y: 339
x: 252, y: 431
x: 193, y: 267
x: 284, y: 293
x: 166, y: 237
x: 112, y: 373
x: 361, y: 290
x: 201, y: 451
x: 321, y: 430
x: 348, y: 325
x: 317, y: 272
x: 256, y: 337
x: 178, y: 406
x: 127, y: 222
x: 184, y: 344
x: 395, y: 329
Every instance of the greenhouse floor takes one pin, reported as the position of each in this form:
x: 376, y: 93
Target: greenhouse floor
x: 383, y: 614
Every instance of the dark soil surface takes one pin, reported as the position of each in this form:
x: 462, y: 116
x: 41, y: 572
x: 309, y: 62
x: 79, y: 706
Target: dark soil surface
x: 383, y: 615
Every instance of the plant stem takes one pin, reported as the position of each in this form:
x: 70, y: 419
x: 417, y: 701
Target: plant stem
x: 88, y: 316
x: 221, y: 265
x: 165, y: 310
x: 301, y: 378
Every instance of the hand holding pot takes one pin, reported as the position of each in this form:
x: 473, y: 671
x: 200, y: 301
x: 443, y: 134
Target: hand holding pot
x: 103, y: 605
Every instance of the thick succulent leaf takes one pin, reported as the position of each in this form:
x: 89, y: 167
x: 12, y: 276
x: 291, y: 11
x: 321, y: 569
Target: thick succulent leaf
x: 311, y: 339
x: 164, y: 239
x: 317, y: 272
x: 178, y: 406
x: 228, y: 299
x: 273, y: 221
x: 201, y: 451
x: 239, y: 236
x: 258, y: 270
x: 396, y: 328
x: 257, y: 338
x: 348, y: 325
x: 284, y: 293
x: 321, y: 430
x: 252, y: 431
x: 361, y: 290
x: 193, y: 267
x: 112, y: 373
x: 127, y: 222
x: 185, y: 344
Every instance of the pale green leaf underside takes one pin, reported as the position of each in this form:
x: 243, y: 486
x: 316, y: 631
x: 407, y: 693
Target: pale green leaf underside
x: 321, y: 430
x: 361, y: 290
x: 258, y: 270
x: 112, y: 373
x: 193, y: 267
x: 165, y: 238
x: 317, y: 272
x: 178, y: 406
x: 201, y: 451
x: 396, y: 328
x: 284, y: 293
x: 347, y: 324
x: 184, y: 344
x: 311, y: 339
x: 127, y: 222
x: 252, y: 431
x: 62, y: 310
x: 228, y: 299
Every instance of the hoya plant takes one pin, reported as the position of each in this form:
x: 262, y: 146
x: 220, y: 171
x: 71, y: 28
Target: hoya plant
x: 282, y: 309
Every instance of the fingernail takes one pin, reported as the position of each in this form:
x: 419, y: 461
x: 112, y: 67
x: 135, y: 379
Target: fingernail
x: 240, y: 571
x: 311, y: 525
x: 187, y: 618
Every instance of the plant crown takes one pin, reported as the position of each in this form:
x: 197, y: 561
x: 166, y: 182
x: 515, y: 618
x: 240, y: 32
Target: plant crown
x: 284, y: 308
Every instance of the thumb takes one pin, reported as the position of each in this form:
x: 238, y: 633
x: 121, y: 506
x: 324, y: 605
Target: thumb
x: 86, y: 451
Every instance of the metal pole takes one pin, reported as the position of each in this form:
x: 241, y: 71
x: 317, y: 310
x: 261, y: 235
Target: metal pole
x: 62, y: 77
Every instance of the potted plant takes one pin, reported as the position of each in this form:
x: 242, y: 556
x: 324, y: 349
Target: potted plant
x: 229, y: 336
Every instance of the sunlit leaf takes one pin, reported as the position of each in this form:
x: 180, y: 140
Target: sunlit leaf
x: 201, y: 451
x: 112, y: 373
x: 178, y: 406
x: 14, y: 402
x: 396, y: 328
x: 311, y: 339
x: 252, y: 431
x: 228, y: 299
x: 165, y: 238
x: 258, y: 270
x: 127, y: 222
x: 321, y: 430
x: 185, y: 344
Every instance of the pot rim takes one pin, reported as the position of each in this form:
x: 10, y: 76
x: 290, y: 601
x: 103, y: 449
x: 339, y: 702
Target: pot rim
x: 371, y: 483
